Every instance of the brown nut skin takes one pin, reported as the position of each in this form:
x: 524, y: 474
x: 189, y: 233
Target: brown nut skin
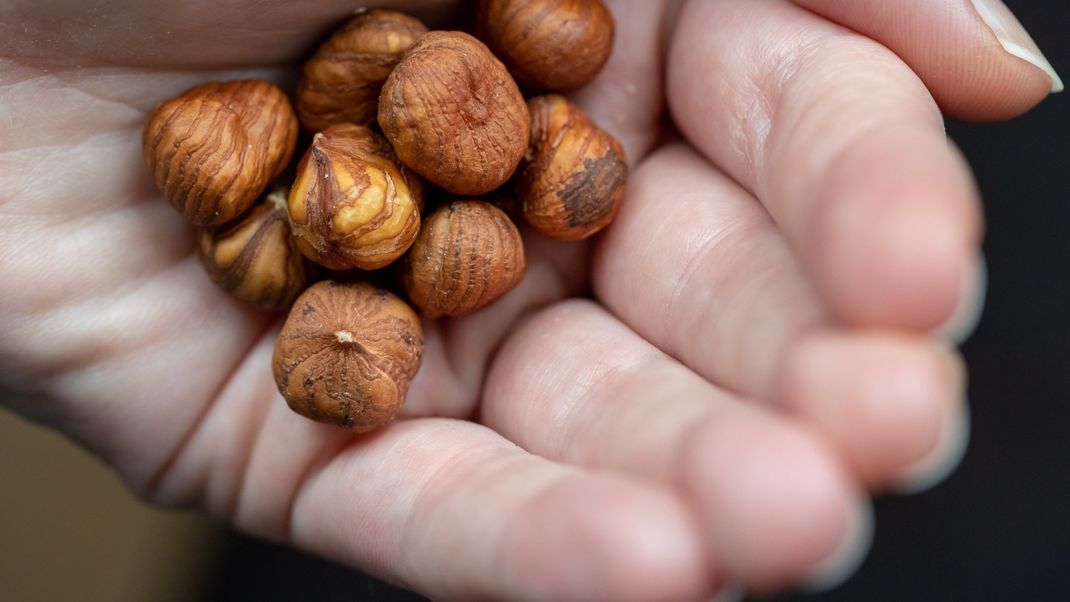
x: 342, y: 81
x: 347, y: 354
x: 352, y: 205
x: 548, y: 44
x: 255, y: 259
x: 469, y: 253
x: 214, y: 149
x: 454, y: 114
x: 571, y: 181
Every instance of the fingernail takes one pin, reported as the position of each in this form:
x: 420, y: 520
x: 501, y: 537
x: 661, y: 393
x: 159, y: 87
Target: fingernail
x: 729, y: 594
x: 1014, y: 38
x: 835, y: 570
x: 944, y: 459
x: 971, y: 305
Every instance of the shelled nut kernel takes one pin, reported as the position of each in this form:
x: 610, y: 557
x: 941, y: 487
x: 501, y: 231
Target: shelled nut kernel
x: 571, y: 181
x: 347, y: 354
x: 553, y: 45
x: 454, y: 114
x: 342, y: 81
x: 468, y: 255
x: 255, y: 259
x: 214, y: 149
x: 351, y: 205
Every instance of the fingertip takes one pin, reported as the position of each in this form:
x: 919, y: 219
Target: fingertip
x: 1021, y: 54
x: 775, y: 503
x: 881, y: 276
x: 942, y: 461
x: 991, y: 83
x: 881, y: 400
x: 967, y: 315
x: 1008, y: 88
x: 975, y: 57
x: 640, y: 544
x: 896, y: 239
x: 848, y: 556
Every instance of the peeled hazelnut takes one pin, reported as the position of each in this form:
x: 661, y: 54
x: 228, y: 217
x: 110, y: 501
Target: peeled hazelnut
x: 341, y: 82
x: 255, y: 259
x: 571, y: 181
x: 454, y: 115
x: 468, y: 255
x: 213, y: 149
x: 352, y: 205
x: 347, y: 354
x: 548, y: 44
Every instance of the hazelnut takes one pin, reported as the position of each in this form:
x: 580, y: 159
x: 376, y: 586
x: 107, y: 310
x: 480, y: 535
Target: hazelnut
x: 347, y: 354
x: 454, y: 115
x: 571, y: 181
x: 213, y: 149
x: 468, y: 254
x: 352, y: 205
x: 341, y: 82
x: 255, y: 259
x: 548, y: 44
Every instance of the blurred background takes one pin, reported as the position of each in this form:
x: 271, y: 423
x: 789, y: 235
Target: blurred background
x: 999, y: 529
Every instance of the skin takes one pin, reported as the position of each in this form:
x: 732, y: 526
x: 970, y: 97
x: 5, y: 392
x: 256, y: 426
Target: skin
x: 755, y: 357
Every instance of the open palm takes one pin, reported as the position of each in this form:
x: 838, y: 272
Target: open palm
x: 755, y: 357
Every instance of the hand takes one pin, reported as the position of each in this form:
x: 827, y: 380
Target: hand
x: 758, y: 354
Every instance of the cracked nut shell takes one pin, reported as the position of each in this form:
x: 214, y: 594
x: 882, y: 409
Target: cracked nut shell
x: 454, y: 114
x: 571, y: 181
x: 255, y: 259
x: 468, y: 254
x: 548, y: 44
x: 347, y: 354
x: 352, y: 205
x: 214, y: 149
x: 342, y: 81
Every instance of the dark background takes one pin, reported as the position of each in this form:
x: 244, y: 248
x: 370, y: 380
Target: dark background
x: 999, y: 528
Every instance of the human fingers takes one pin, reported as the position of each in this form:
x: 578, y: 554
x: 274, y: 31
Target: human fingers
x: 453, y: 510
x: 577, y: 386
x: 111, y: 308
x: 107, y: 268
x: 974, y: 55
x: 844, y: 147
x: 448, y: 508
x: 709, y: 280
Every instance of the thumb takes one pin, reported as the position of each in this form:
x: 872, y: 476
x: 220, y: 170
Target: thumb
x: 976, y: 58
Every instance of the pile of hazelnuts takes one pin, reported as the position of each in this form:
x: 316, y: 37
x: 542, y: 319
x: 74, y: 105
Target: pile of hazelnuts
x: 421, y: 154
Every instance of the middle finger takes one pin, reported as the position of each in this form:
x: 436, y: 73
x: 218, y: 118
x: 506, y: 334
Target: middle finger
x: 577, y: 386
x: 708, y: 279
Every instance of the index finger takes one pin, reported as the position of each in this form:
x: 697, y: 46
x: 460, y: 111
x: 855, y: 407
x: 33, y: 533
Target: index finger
x: 845, y: 148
